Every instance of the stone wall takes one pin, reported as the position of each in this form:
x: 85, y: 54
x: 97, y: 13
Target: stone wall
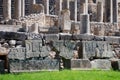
x: 102, y: 29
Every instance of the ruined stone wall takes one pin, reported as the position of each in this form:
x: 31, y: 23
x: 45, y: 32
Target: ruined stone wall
x: 102, y: 29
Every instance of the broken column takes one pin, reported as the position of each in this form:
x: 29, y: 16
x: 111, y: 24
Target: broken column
x: 17, y: 9
x: 100, y: 12
x: 85, y: 24
x: 22, y: 8
x: 7, y: 9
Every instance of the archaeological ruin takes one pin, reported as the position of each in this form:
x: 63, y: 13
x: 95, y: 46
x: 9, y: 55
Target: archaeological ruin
x: 38, y: 35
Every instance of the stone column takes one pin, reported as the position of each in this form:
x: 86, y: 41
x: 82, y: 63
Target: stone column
x: 46, y: 5
x: 111, y: 11
x: 100, y: 12
x: 22, y: 8
x: 86, y: 6
x: 7, y: 9
x: 72, y: 10
x: 65, y: 4
x: 75, y: 3
x: 33, y: 1
x: 17, y: 9
x: 90, y: 1
x: 58, y: 8
x: 68, y: 5
x: 115, y: 11
x: 85, y: 24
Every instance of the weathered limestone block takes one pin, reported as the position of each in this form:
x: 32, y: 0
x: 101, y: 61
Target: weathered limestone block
x: 51, y: 37
x: 17, y: 53
x: 75, y: 28
x: 83, y: 37
x: 33, y: 36
x: 65, y: 48
x: 34, y: 28
x: 115, y: 64
x: 33, y: 65
x: 65, y: 20
x: 65, y: 36
x: 92, y: 10
x: 96, y: 49
x: 101, y: 64
x: 36, y: 49
x: 112, y: 39
x: 80, y: 64
x: 13, y: 35
x: 2, y: 66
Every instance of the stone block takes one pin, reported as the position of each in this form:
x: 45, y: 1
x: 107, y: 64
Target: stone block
x: 96, y: 49
x: 115, y: 64
x: 82, y: 37
x: 101, y: 64
x: 2, y: 70
x: 35, y: 48
x: 17, y: 53
x: 51, y: 37
x: 80, y: 64
x: 65, y: 48
x: 13, y: 35
x: 33, y: 65
x: 65, y: 36
x: 33, y: 36
x: 112, y: 39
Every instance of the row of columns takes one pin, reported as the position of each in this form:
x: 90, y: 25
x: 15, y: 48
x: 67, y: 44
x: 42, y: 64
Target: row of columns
x: 112, y: 10
x: 19, y: 9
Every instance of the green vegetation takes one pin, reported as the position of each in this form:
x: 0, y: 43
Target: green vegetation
x: 64, y: 75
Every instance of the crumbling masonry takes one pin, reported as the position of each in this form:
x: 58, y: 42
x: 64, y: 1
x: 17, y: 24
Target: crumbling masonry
x: 56, y: 34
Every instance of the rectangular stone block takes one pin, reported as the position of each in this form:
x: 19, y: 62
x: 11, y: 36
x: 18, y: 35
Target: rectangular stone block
x: 96, y: 49
x: 65, y: 48
x: 80, y: 64
x: 101, y: 64
x: 2, y: 70
x: 65, y: 36
x: 13, y: 35
x: 17, y: 53
x: 52, y: 37
x: 33, y: 36
x: 111, y: 39
x: 36, y: 49
x: 33, y: 65
x: 82, y: 37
